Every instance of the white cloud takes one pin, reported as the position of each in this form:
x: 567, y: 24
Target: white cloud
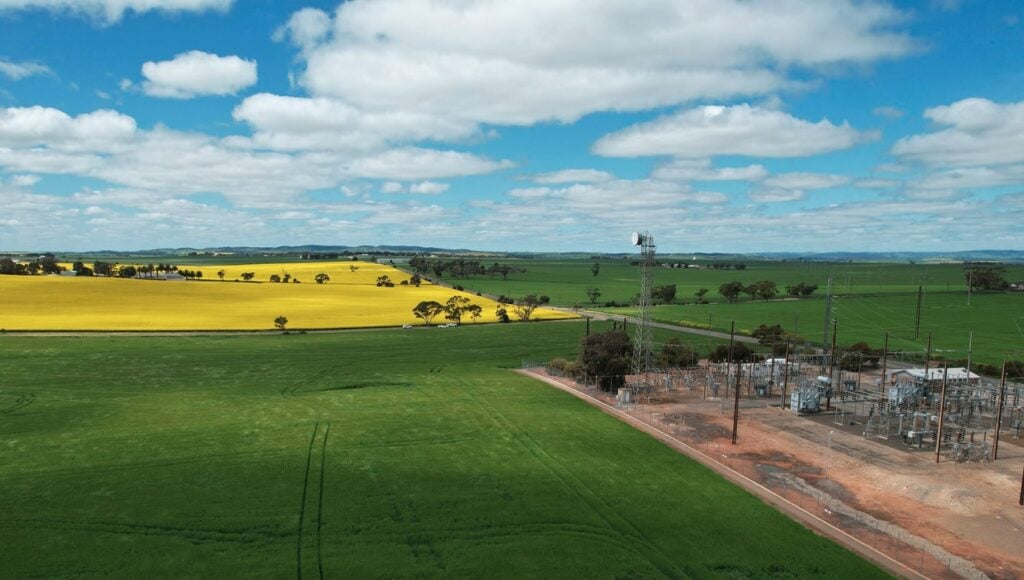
x: 392, y: 187
x: 980, y: 132
x: 306, y: 28
x: 573, y: 176
x: 113, y: 10
x: 296, y: 123
x: 520, y: 62
x: 20, y: 70
x: 99, y: 131
x: 877, y: 183
x: 888, y: 112
x: 702, y: 170
x: 107, y: 145
x: 776, y: 195
x: 806, y: 181
x: 196, y: 73
x: 413, y: 163
x: 738, y: 130
x: 428, y: 188
x: 25, y: 180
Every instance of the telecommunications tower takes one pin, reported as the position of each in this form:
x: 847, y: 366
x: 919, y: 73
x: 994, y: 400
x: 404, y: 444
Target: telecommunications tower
x: 643, y: 353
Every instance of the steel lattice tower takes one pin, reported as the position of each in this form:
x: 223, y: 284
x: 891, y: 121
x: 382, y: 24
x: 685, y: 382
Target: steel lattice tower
x: 643, y: 350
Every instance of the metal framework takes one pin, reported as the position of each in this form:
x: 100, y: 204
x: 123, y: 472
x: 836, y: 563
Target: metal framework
x: 643, y: 351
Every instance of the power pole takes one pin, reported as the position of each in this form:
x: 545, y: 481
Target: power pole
x: 970, y: 353
x: 917, y: 317
x: 942, y: 412
x: 736, y: 398
x: 828, y: 311
x: 832, y: 365
x: 785, y: 376
x: 999, y: 412
x: 928, y: 356
x: 885, y: 356
x: 970, y: 284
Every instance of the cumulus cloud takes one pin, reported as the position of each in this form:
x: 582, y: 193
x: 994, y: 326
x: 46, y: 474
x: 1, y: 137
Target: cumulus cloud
x: 428, y: 188
x: 737, y: 130
x: 520, y: 62
x: 702, y: 170
x: 196, y: 73
x: 806, y: 181
x: 20, y: 70
x: 99, y: 131
x: 572, y: 176
x: 888, y: 112
x: 306, y: 28
x: 107, y: 145
x: 978, y: 132
x: 297, y: 123
x: 113, y: 10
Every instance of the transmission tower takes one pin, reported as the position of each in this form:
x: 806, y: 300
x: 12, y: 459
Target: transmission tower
x: 643, y: 352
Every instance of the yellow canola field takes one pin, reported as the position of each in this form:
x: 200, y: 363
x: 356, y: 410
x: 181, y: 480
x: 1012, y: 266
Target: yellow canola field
x: 350, y: 300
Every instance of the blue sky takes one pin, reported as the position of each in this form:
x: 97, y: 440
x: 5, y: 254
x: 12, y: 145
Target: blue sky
x: 718, y: 125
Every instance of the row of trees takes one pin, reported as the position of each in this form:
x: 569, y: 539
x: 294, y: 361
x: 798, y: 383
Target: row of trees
x: 763, y: 289
x: 453, y: 310
x: 461, y: 268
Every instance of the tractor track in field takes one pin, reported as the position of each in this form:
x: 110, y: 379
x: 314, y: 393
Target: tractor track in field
x: 293, y: 388
x: 322, y: 434
x: 20, y: 402
x: 194, y: 535
x: 581, y: 491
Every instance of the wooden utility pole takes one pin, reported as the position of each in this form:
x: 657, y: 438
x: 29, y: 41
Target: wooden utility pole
x: 828, y: 311
x: 736, y: 394
x: 832, y: 366
x: 928, y: 356
x: 970, y: 353
x: 1021, y: 500
x: 917, y: 317
x: 885, y: 384
x: 785, y: 376
x: 999, y: 413
x: 942, y: 412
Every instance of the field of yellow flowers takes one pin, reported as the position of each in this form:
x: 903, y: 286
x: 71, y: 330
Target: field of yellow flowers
x: 350, y: 299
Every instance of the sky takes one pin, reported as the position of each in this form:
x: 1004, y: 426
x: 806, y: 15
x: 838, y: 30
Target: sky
x: 513, y: 125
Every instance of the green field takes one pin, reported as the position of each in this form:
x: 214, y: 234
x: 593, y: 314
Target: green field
x: 362, y: 454
x: 870, y: 300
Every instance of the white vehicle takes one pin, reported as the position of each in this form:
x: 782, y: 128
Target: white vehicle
x: 406, y: 326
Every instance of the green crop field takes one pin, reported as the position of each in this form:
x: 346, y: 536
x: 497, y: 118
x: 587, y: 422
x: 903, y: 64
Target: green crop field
x: 870, y: 299
x: 363, y: 454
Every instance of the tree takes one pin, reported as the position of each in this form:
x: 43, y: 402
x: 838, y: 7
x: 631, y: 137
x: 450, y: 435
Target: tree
x: 663, y: 294
x: 275, y: 278
x: 280, y: 322
x: 524, y: 309
x: 769, y: 335
x: 248, y: 276
x: 982, y: 278
x: 220, y: 274
x: 765, y: 290
x: 287, y: 278
x: 675, y: 354
x: 416, y: 280
x: 700, y: 295
x: 475, y: 311
x: 859, y: 355
x: 385, y: 281
x: 8, y: 266
x: 321, y: 278
x: 501, y: 313
x: 605, y: 358
x: 731, y: 290
x: 596, y: 268
x: 454, y: 308
x: 801, y: 289
x: 427, y: 310
x: 593, y: 294
x: 740, y: 353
